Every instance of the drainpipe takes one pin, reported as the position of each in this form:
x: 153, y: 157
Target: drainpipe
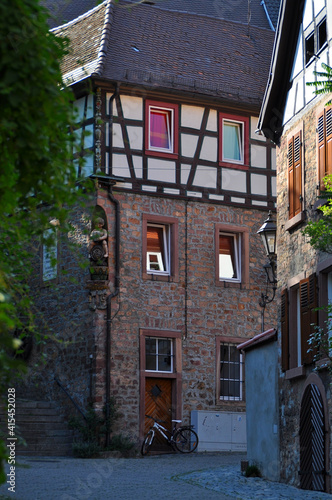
x: 113, y: 294
x: 186, y: 275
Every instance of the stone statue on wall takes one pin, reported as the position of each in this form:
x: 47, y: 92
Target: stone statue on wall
x: 98, y: 237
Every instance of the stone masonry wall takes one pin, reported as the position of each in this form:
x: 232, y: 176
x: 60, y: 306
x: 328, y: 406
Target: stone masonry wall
x: 75, y: 314
x: 232, y: 310
x: 295, y: 256
x: 65, y: 347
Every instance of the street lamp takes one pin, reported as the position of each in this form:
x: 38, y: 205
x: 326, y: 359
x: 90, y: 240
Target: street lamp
x: 268, y: 233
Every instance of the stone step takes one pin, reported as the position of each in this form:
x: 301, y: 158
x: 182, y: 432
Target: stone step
x: 43, y: 428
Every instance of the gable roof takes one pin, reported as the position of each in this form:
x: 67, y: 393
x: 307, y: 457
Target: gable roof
x: 88, y: 35
x: 183, y: 51
x: 274, y: 101
x: 64, y: 11
x: 170, y: 51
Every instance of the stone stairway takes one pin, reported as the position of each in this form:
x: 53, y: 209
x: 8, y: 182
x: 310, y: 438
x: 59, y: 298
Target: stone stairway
x: 42, y: 427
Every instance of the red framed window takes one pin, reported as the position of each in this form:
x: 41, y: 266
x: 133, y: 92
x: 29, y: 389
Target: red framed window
x: 160, y: 248
x: 233, y: 141
x: 229, y: 257
x: 161, y: 128
x: 231, y: 254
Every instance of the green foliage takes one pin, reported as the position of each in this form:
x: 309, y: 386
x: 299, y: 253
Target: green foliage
x: 86, y: 449
x: 320, y: 231
x: 121, y: 443
x: 320, y: 341
x: 93, y: 429
x: 324, y: 83
x: 90, y: 429
x: 253, y: 471
x: 37, y: 176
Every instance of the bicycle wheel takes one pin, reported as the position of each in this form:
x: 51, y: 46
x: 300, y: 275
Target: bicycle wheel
x: 185, y: 440
x: 147, y: 443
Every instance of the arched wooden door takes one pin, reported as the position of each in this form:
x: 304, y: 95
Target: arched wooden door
x: 312, y: 440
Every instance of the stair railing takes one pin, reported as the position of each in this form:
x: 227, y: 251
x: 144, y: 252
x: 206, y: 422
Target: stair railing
x: 69, y: 396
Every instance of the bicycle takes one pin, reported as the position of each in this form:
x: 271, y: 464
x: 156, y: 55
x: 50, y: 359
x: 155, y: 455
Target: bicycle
x: 183, y: 439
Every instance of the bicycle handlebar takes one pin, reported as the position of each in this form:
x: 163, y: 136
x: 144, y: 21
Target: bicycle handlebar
x: 156, y: 420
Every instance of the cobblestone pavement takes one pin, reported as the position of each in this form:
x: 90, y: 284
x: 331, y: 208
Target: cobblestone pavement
x: 198, y: 476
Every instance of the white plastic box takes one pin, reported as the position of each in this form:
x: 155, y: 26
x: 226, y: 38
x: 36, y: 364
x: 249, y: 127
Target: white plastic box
x: 220, y: 431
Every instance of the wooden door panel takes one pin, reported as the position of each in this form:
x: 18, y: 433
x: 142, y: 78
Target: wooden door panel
x: 158, y: 404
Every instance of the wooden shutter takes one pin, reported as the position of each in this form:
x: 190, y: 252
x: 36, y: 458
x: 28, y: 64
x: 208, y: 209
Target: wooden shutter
x: 308, y: 304
x: 284, y: 331
x: 291, y: 178
x: 324, y: 144
x: 328, y: 135
x: 295, y: 175
x: 321, y: 149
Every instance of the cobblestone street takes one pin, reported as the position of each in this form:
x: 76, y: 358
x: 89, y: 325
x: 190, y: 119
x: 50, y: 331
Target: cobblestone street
x: 197, y: 476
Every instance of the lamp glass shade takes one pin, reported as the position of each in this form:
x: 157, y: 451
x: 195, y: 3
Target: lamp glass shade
x: 268, y: 233
x: 270, y: 238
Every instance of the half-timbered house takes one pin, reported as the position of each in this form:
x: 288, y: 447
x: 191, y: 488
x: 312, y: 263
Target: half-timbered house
x: 167, y: 97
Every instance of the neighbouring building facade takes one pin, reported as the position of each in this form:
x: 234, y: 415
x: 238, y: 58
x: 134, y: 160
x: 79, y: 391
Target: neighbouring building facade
x: 167, y: 98
x: 299, y: 122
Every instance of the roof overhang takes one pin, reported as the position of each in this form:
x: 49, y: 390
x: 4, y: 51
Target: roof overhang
x: 258, y: 340
x: 272, y: 111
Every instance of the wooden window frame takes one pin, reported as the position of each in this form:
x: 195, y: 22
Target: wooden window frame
x: 165, y: 250
x: 242, y: 235
x: 172, y: 354
x: 298, y: 313
x: 244, y: 121
x: 324, y: 270
x: 174, y: 131
x: 176, y: 375
x: 317, y: 45
x: 235, y: 341
x: 172, y: 225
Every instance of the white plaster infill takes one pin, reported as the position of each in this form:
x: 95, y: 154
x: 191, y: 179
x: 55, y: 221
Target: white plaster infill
x: 267, y: 336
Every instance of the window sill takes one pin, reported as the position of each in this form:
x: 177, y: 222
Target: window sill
x: 231, y: 284
x: 299, y: 371
x: 162, y: 154
x: 160, y: 277
x: 235, y: 166
x: 152, y: 374
x: 240, y: 403
x: 294, y: 221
